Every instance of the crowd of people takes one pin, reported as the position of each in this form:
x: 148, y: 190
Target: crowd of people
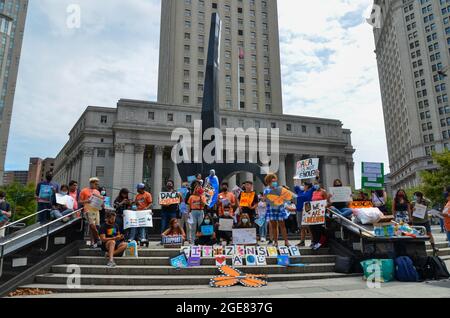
x: 187, y: 216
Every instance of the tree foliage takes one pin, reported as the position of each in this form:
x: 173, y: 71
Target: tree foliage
x: 22, y: 200
x: 434, y: 182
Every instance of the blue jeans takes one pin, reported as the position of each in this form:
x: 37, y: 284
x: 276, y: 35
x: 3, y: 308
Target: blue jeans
x: 43, y: 217
x: 134, y: 231
x: 263, y: 230
x: 197, y: 216
x: 165, y: 220
x: 56, y: 214
x: 441, y: 223
x: 345, y: 212
x: 448, y: 238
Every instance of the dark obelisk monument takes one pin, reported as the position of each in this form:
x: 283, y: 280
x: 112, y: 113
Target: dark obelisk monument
x: 210, y: 115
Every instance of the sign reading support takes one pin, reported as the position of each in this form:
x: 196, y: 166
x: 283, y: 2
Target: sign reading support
x: 135, y: 219
x: 372, y: 176
x: 307, y: 169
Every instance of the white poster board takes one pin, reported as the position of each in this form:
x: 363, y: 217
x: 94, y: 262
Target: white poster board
x: 226, y: 225
x: 135, y: 219
x: 314, y: 213
x: 244, y: 236
x: 307, y: 169
x: 341, y: 194
x: 65, y: 200
x: 96, y: 203
x: 419, y: 211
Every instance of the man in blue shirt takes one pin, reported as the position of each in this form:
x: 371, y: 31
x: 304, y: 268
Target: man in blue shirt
x: 46, y: 197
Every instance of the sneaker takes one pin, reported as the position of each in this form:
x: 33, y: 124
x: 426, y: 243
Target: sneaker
x: 111, y: 264
x: 317, y: 247
x: 94, y: 246
x: 301, y: 244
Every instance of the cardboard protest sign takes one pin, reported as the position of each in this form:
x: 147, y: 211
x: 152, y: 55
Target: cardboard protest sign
x: 244, y: 236
x: 261, y: 260
x: 360, y: 205
x: 307, y: 169
x: 295, y: 251
x: 419, y: 211
x: 207, y: 251
x: 246, y: 200
x: 186, y: 250
x: 171, y: 241
x: 207, y: 230
x: 314, y: 213
x: 250, y: 260
x: 221, y: 260
x: 65, y: 200
x: 196, y: 251
x: 272, y: 251
x: 341, y: 194
x: 230, y: 250
x: 372, y: 176
x: 250, y: 250
x: 226, y: 225
x: 95, y: 204
x: 240, y: 250
x: 218, y: 250
x: 179, y: 261
x: 135, y: 219
x: 238, y: 260
x: 194, y: 261
x: 260, y: 221
x: 169, y: 198
x: 284, y: 250
x: 279, y: 196
x: 261, y: 250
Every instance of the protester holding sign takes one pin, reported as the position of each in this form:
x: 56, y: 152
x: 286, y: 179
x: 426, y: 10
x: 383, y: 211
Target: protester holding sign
x: 317, y: 231
x: 112, y: 239
x: 45, y: 196
x: 92, y: 214
x: 421, y: 218
x: 184, y: 215
x: 122, y: 203
x: 340, y: 207
x: 143, y: 201
x: 226, y: 203
x: 446, y: 214
x: 245, y: 222
x: 304, y: 194
x: 174, y: 229
x: 196, y: 205
x: 170, y: 202
x: 275, y: 214
x: 379, y: 199
x: 402, y: 207
x: 248, y: 201
x: 204, y: 235
x: 64, y: 204
x: 261, y: 218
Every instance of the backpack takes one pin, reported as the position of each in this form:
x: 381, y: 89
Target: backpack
x: 432, y: 268
x: 405, y: 270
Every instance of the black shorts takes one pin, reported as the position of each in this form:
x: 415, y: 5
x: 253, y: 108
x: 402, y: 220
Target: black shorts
x: 115, y: 248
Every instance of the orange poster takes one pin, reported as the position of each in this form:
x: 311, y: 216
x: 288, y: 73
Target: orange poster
x: 169, y: 198
x: 247, y: 199
x: 360, y: 204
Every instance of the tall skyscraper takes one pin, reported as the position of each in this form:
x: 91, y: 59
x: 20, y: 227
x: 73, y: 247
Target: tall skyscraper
x: 250, y: 54
x: 412, y: 48
x: 12, y: 24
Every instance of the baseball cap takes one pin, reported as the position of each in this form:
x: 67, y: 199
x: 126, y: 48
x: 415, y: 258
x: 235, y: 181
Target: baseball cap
x: 140, y: 186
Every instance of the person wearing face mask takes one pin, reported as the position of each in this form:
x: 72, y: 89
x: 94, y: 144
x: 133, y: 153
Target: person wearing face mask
x: 195, y: 207
x: 425, y: 222
x: 62, y: 209
x: 261, y: 215
x: 184, y: 215
x: 379, y: 199
x: 226, y: 203
x: 169, y: 212
x: 402, y: 207
x: 248, y: 201
x: 174, y: 229
x: 208, y: 240
x: 318, y: 233
x: 304, y: 194
x: 103, y: 193
x: 5, y: 212
x: 276, y: 215
x: 245, y: 222
x: 340, y: 207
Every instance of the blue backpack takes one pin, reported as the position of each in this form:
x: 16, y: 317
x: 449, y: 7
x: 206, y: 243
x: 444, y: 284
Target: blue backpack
x: 405, y: 270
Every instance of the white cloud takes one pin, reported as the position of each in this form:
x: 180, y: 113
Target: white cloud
x: 329, y: 69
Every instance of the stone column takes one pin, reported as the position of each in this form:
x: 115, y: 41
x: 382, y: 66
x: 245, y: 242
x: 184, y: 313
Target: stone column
x: 119, y: 153
x: 343, y: 174
x: 157, y: 175
x: 176, y: 176
x: 138, y: 163
x: 87, y: 155
x: 351, y: 173
x: 282, y: 170
x: 232, y: 182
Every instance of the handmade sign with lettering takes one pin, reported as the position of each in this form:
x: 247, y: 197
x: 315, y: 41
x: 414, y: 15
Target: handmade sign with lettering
x: 250, y: 250
x: 240, y: 250
x: 136, y: 219
x: 372, y: 176
x: 179, y: 261
x: 244, y: 236
x: 272, y: 251
x: 283, y: 260
x: 172, y: 241
x: 284, y: 250
x: 226, y: 225
x: 261, y: 260
x: 280, y: 196
x: 218, y: 250
x: 246, y: 200
x: 221, y: 260
x: 169, y: 198
x: 314, y: 213
x: 186, y: 250
x: 295, y: 251
x: 230, y: 250
x: 307, y: 169
x: 261, y: 250
x: 250, y: 260
x: 207, y: 251
x: 196, y: 251
x: 420, y: 211
x: 238, y: 260
x: 341, y: 194
x: 360, y: 205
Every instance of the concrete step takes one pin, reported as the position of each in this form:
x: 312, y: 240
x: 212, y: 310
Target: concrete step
x: 438, y: 245
x: 143, y: 280
x: 200, y: 270
x: 442, y: 252
x: 168, y: 252
x: 155, y: 261
x: 56, y: 288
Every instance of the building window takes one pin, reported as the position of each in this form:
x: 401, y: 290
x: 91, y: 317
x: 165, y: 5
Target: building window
x: 188, y: 119
x: 186, y: 99
x: 289, y: 127
x: 101, y: 153
x: 304, y: 129
x: 273, y: 125
x: 151, y: 115
x: 104, y: 119
x: 319, y: 130
x: 170, y: 117
x: 224, y: 122
x: 100, y: 172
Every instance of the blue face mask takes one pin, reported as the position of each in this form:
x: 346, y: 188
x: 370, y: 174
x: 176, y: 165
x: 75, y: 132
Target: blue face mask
x: 207, y: 222
x: 275, y: 184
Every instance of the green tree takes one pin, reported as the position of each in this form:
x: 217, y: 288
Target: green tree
x: 22, y: 200
x: 434, y: 182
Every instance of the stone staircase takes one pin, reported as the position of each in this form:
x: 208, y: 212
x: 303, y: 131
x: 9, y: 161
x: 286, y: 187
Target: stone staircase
x: 151, y: 271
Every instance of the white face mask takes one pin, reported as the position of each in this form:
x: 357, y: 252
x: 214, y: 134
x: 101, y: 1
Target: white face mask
x: 64, y: 192
x: 244, y: 221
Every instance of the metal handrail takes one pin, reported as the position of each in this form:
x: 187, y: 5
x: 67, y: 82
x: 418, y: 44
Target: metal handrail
x: 362, y: 229
x: 47, y: 225
x: 25, y: 218
x: 41, y: 227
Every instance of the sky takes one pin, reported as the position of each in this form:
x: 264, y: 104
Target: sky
x: 327, y: 55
